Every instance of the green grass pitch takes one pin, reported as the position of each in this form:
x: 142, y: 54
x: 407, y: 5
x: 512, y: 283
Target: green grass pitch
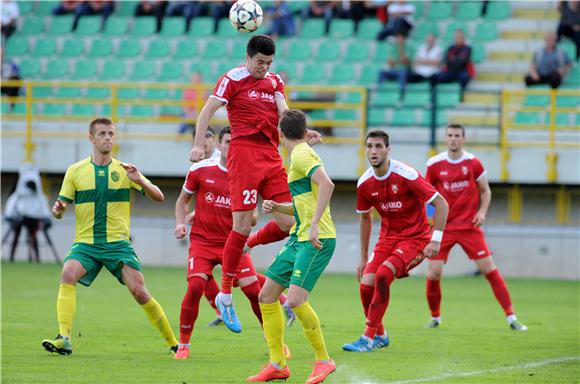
x: 114, y: 343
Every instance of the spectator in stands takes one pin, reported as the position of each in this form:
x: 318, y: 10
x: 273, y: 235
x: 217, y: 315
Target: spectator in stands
x: 354, y: 10
x: 187, y: 9
x: 399, y: 64
x: 152, y: 8
x: 10, y: 71
x: 218, y: 10
x: 89, y: 8
x: 9, y: 13
x: 570, y: 22
x: 549, y: 64
x: 427, y: 60
x: 400, y: 21
x: 320, y: 9
x: 282, y: 20
x: 65, y: 7
x: 457, y: 63
x: 194, y: 97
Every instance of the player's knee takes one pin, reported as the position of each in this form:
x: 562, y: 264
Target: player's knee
x: 434, y: 275
x: 141, y: 294
x: 266, y: 297
x: 68, y: 276
x: 294, y: 302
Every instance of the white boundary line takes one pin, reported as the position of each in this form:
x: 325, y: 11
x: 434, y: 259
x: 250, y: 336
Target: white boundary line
x: 533, y: 364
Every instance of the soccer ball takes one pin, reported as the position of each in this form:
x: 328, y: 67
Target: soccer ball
x: 246, y: 15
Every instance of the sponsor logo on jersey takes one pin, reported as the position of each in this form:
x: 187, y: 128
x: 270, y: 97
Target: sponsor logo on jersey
x: 210, y: 181
x: 374, y: 194
x: 222, y: 200
x: 385, y: 206
x: 464, y: 170
x: 400, y: 251
x: 101, y: 172
x: 394, y: 188
x: 244, y: 270
x: 209, y: 197
x: 297, y: 273
x: 253, y: 95
x: 222, y: 87
x: 115, y: 176
x: 443, y: 173
x: 457, y: 185
x: 481, y: 253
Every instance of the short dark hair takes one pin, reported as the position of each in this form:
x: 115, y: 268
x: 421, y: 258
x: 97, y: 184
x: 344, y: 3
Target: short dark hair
x: 456, y: 126
x: 209, y: 131
x: 99, y: 121
x: 261, y: 44
x: 223, y: 132
x: 293, y: 124
x: 380, y: 134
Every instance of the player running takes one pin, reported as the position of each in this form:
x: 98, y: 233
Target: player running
x: 302, y: 260
x: 460, y: 177
x: 255, y: 100
x: 399, y: 194
x: 100, y: 187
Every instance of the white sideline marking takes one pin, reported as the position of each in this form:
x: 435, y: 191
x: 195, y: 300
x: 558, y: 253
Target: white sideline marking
x: 534, y: 364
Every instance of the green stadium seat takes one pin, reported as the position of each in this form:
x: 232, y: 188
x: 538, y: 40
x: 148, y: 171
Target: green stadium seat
x: 349, y: 97
x: 100, y: 48
x: 341, y: 29
x: 562, y: 120
x: 328, y: 50
x: 57, y: 69
x: 289, y: 68
x: 142, y: 71
x: 381, y: 53
x: 126, y: 8
x: 41, y: 91
x: 112, y: 70
x: 44, y: 47
x: 357, y: 51
x: 143, y: 26
x: 155, y: 94
x: 67, y: 92
x: 298, y: 51
x: 19, y: 109
x: 468, y: 10
x: 569, y: 48
x: 385, y: 99
x: 83, y: 110
x: 29, y: 68
x: 418, y: 87
x: 369, y: 75
x: 116, y: 26
x: 419, y: 8
x: 477, y: 53
x: 439, y: 11
x: 89, y: 25
x: 171, y: 71
x: 171, y: 110
x: 454, y: 26
x: 157, y: 48
x: 537, y: 101
x: 225, y: 66
x: 391, y: 86
x: 567, y: 101
x: 201, y: 27
x: 72, y: 48
x: 416, y: 99
x: 215, y: 50
x: 53, y: 110
x: 141, y: 111
x: 423, y: 29
x: 448, y: 87
x: 403, y: 117
x: 84, y: 70
x: 225, y: 29
x: 44, y: 8
x: 186, y: 49
x: 318, y: 114
x: 345, y: 114
x: 129, y: 48
x: 376, y: 116
x: 129, y: 93
x: 441, y: 118
x: 98, y: 93
x: 238, y: 52
x: 368, y: 29
x: 173, y: 26
x: 527, y: 118
x: 448, y: 99
x: 25, y: 7
x: 498, y: 10
x: 297, y: 6
x: 16, y: 46
x: 60, y: 25
x: 312, y: 74
x: 106, y: 110
x: 312, y: 29
x: 32, y: 26
x: 205, y: 71
x: 341, y: 74
x: 486, y: 31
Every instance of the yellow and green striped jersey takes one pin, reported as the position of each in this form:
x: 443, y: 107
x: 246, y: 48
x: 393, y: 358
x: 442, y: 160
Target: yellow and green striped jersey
x: 102, y: 197
x: 303, y: 163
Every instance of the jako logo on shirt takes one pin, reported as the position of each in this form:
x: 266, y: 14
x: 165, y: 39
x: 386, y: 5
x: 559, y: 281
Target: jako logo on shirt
x: 209, y: 197
x: 391, y: 205
x: 222, y: 200
x: 456, y: 185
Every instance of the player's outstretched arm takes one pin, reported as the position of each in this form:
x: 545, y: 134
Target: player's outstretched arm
x: 181, y: 210
x: 58, y: 208
x: 151, y: 190
x: 209, y: 109
x: 325, y: 189
x: 366, y: 228
x: 270, y: 206
x: 484, y: 201
x: 439, y: 221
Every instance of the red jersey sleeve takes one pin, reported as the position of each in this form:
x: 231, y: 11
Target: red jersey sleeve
x: 362, y: 203
x: 191, y: 182
x: 224, y: 89
x: 424, y: 191
x: 279, y: 87
x: 478, y: 170
x: 429, y: 174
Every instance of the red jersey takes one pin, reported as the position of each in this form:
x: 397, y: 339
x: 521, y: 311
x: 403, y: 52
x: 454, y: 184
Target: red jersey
x: 213, y: 221
x: 399, y: 197
x: 251, y: 103
x: 457, y: 182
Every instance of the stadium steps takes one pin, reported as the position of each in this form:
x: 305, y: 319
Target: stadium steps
x: 472, y: 98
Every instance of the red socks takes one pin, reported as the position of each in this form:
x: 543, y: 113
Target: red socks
x: 269, y: 233
x: 252, y: 291
x: 434, y: 297
x: 190, y: 308
x: 211, y: 291
x: 231, y: 259
x: 500, y: 290
x: 366, y: 296
x: 380, y: 302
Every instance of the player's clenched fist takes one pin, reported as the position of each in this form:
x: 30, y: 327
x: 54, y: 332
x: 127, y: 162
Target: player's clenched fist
x: 180, y: 231
x: 432, y: 249
x: 58, y: 208
x: 268, y: 206
x: 196, y: 154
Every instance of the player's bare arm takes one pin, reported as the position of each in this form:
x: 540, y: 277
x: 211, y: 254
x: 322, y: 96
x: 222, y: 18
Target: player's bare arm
x: 439, y: 221
x: 181, y: 214
x: 151, y: 190
x: 209, y: 109
x: 366, y: 227
x: 58, y: 208
x: 270, y: 206
x: 325, y: 189
x: 484, y: 201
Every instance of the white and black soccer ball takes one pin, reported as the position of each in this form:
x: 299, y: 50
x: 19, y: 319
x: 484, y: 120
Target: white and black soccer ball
x: 246, y: 15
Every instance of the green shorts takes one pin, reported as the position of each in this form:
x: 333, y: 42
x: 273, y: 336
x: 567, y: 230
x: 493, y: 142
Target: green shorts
x: 112, y: 255
x: 299, y: 263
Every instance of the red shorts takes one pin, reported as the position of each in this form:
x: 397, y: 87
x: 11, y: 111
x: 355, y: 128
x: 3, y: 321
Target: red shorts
x: 204, y: 257
x: 471, y: 240
x: 254, y: 168
x: 404, y: 254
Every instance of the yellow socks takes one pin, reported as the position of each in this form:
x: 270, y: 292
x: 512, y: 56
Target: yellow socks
x: 159, y: 320
x: 311, y: 326
x: 66, y: 305
x: 273, y: 323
